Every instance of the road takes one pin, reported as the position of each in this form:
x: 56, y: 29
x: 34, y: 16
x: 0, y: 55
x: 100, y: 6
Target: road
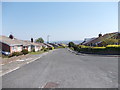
x: 63, y: 69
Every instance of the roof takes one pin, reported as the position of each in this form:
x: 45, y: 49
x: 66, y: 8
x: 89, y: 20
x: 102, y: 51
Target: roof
x: 88, y: 40
x: 13, y: 42
x: 41, y: 44
x: 100, y: 39
x: 24, y: 43
x: 8, y: 41
x: 35, y: 44
x: 48, y: 45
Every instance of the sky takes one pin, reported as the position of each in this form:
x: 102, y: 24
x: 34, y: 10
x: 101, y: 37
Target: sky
x: 61, y: 20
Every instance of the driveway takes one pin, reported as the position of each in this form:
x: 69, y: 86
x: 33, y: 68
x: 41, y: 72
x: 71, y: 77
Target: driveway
x: 63, y: 69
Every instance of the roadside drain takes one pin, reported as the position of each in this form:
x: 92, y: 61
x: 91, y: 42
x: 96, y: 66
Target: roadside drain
x: 51, y: 85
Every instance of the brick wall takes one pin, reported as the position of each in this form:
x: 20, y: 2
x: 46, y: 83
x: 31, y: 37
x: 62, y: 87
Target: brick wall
x: 10, y: 49
x: 5, y: 47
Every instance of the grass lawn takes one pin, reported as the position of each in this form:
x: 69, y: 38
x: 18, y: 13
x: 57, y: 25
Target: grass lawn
x: 39, y: 52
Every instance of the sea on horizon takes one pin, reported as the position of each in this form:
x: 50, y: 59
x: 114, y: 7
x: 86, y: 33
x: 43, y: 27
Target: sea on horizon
x: 66, y: 42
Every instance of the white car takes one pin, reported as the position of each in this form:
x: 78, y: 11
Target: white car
x: 5, y: 53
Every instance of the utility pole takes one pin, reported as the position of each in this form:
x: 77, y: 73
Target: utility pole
x: 48, y: 38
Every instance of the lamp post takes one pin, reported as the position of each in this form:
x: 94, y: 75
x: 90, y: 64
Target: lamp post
x: 48, y: 38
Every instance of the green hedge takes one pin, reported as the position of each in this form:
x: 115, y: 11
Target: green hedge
x: 97, y: 50
x: 16, y: 54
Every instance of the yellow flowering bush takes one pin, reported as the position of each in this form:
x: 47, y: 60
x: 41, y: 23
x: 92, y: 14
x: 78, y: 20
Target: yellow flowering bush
x: 83, y: 46
x: 98, y: 47
x: 113, y: 46
x: 52, y: 48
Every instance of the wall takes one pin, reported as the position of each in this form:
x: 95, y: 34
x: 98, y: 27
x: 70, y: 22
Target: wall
x: 29, y: 48
x: 5, y: 47
x: 17, y: 48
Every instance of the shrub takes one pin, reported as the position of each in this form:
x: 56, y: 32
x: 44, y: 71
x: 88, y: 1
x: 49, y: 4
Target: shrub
x: 16, y: 54
x: 63, y: 45
x: 46, y: 49
x: 20, y: 53
x: 10, y: 55
x: 33, y: 50
x: 113, y: 46
x: 42, y: 48
x: 71, y: 44
x: 60, y: 47
x: 24, y: 51
x: 83, y: 46
x: 76, y: 48
x: 98, y: 47
x: 109, y: 49
x: 51, y: 48
x: 71, y: 48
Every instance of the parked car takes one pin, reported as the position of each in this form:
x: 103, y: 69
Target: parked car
x: 5, y: 53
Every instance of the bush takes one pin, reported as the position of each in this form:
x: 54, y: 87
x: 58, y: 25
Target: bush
x: 33, y: 50
x: 113, y: 46
x: 71, y: 44
x: 46, y: 49
x: 24, y: 51
x: 71, y: 48
x: 98, y: 47
x: 42, y: 48
x: 10, y: 56
x: 16, y: 54
x: 51, y: 48
x: 63, y: 45
x: 76, y: 48
x: 83, y: 46
x: 60, y: 47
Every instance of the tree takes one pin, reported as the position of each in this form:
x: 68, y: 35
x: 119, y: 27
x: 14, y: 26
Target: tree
x: 71, y: 44
x: 39, y: 40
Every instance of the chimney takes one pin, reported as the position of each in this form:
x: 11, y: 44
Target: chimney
x: 11, y: 36
x: 32, y: 40
x: 100, y: 35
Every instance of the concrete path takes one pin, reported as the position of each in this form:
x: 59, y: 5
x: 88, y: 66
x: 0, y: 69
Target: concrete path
x: 63, y: 69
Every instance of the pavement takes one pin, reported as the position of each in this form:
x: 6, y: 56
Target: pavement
x: 14, y: 63
x: 64, y: 69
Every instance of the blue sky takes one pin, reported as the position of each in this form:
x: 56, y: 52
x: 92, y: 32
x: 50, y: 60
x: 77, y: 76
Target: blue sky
x: 60, y: 20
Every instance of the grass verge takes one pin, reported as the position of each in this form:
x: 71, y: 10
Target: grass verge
x: 34, y: 53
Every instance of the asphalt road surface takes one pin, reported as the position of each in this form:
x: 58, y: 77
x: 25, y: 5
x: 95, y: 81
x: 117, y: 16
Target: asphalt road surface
x: 63, y: 69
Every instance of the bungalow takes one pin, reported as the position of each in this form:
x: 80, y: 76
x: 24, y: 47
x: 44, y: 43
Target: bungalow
x: 48, y: 45
x: 98, y: 41
x: 54, y: 45
x: 36, y: 46
x: 9, y: 44
x: 26, y: 45
x: 30, y: 45
x: 44, y: 45
x: 87, y: 40
x: 63, y: 45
